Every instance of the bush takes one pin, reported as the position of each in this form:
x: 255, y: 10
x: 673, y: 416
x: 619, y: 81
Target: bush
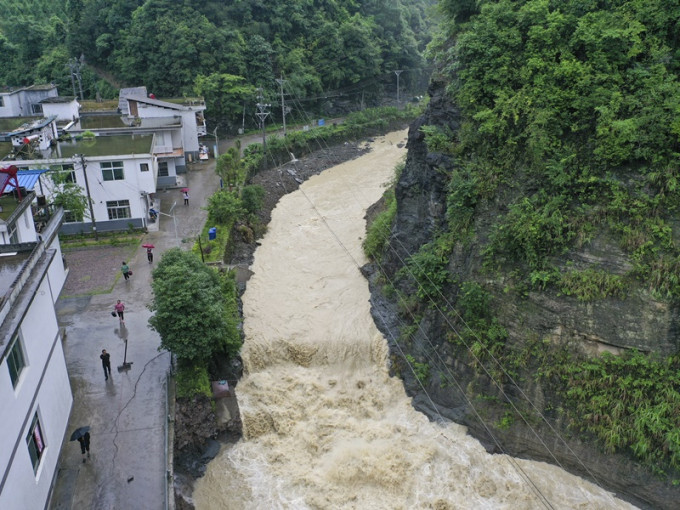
x: 192, y: 380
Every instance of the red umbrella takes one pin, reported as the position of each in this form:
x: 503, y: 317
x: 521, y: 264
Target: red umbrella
x: 148, y: 246
x: 184, y: 190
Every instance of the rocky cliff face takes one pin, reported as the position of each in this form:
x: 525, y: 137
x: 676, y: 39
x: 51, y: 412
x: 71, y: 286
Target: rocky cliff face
x: 456, y: 388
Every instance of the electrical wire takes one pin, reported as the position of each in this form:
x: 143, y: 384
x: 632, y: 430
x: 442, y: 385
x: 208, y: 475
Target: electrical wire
x: 540, y: 439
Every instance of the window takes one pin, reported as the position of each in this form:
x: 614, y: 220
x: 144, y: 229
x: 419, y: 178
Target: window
x: 2, y: 102
x: 36, y: 108
x: 118, y: 209
x: 112, y: 170
x: 64, y: 173
x: 162, y: 169
x: 72, y: 217
x: 15, y: 360
x: 144, y: 167
x: 35, y: 442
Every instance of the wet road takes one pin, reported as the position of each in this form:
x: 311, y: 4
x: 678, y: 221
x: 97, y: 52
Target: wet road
x: 127, y: 414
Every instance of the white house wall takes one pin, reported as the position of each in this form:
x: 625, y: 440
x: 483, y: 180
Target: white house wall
x: 11, y: 105
x: 56, y: 272
x: 43, y: 387
x: 135, y: 187
x: 63, y: 111
x: 190, y: 132
x: 26, y: 227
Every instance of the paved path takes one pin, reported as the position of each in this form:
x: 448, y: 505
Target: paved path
x: 127, y: 413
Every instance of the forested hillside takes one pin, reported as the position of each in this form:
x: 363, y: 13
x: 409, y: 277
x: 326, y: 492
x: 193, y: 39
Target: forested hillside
x: 534, y: 258
x: 323, y: 48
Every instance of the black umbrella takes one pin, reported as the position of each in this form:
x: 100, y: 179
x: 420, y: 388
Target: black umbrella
x: 78, y: 433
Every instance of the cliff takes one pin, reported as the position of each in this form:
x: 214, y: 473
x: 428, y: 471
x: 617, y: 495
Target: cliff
x: 490, y: 348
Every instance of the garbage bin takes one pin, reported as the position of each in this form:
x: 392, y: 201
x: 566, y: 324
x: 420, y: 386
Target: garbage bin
x: 212, y: 233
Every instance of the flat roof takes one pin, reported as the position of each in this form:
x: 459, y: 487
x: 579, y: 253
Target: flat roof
x: 10, y: 266
x: 5, y: 150
x: 8, y: 124
x: 39, y: 123
x: 58, y: 99
x: 115, y: 145
x: 8, y: 204
x: 98, y: 122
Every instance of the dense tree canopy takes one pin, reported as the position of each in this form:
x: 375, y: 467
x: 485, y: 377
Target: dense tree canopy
x: 193, y: 309
x: 569, y: 131
x: 316, y: 45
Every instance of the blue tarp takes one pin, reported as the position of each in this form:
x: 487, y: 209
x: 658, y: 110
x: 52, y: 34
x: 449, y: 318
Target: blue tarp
x: 27, y: 179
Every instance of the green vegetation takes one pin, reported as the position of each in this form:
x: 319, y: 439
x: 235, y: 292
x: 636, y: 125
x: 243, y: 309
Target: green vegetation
x: 568, y: 132
x: 194, y: 308
x: 220, y: 50
x: 192, y: 380
x: 69, y: 196
x: 421, y: 370
x: 629, y: 402
x: 378, y: 232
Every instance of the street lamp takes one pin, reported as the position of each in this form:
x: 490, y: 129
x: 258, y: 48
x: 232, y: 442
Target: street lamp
x: 173, y: 220
x: 216, y: 142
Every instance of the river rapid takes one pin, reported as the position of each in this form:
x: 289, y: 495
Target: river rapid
x: 324, y: 425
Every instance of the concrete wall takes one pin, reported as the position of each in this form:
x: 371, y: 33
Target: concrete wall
x: 11, y: 105
x: 44, y: 388
x: 63, y: 111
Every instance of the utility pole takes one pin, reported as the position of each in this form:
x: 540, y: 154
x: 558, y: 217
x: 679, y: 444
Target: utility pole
x: 74, y: 65
x: 283, y: 104
x: 262, y: 114
x: 89, y: 198
x: 398, y: 98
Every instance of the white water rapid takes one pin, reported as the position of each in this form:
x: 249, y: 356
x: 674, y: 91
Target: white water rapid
x: 324, y: 425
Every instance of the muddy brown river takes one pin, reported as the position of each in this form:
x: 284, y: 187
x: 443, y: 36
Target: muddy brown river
x: 325, y: 426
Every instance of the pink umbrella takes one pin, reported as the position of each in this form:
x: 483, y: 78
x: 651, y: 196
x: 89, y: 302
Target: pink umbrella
x: 184, y: 190
x: 148, y: 246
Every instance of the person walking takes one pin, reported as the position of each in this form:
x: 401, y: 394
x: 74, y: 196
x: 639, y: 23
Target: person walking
x: 149, y: 254
x: 106, y: 363
x: 120, y: 309
x: 185, y: 194
x: 84, y: 441
x: 125, y: 269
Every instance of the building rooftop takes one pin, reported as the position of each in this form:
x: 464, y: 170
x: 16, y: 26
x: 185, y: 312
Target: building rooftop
x: 115, y: 145
x: 58, y: 99
x: 13, y: 90
x: 9, y: 124
x: 100, y: 122
x: 10, y: 266
x: 8, y: 204
x: 5, y: 150
x: 32, y: 125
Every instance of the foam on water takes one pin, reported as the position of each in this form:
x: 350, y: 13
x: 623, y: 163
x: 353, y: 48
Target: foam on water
x: 324, y: 425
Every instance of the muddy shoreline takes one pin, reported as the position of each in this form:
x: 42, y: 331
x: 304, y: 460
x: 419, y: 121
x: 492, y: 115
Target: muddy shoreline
x: 198, y: 437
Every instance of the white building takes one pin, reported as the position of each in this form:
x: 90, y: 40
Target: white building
x: 118, y: 174
x: 64, y: 108
x: 35, y: 394
x: 176, y: 124
x: 25, y: 101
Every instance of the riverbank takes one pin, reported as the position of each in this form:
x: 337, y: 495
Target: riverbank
x: 195, y: 442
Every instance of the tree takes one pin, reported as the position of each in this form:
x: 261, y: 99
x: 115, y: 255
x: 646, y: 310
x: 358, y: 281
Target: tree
x: 224, y: 207
x: 68, y: 195
x: 225, y: 95
x: 191, y: 312
x: 229, y: 165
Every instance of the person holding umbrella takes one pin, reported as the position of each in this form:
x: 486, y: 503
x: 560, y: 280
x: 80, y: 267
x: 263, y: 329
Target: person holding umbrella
x: 149, y: 252
x: 82, y: 435
x: 185, y: 194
